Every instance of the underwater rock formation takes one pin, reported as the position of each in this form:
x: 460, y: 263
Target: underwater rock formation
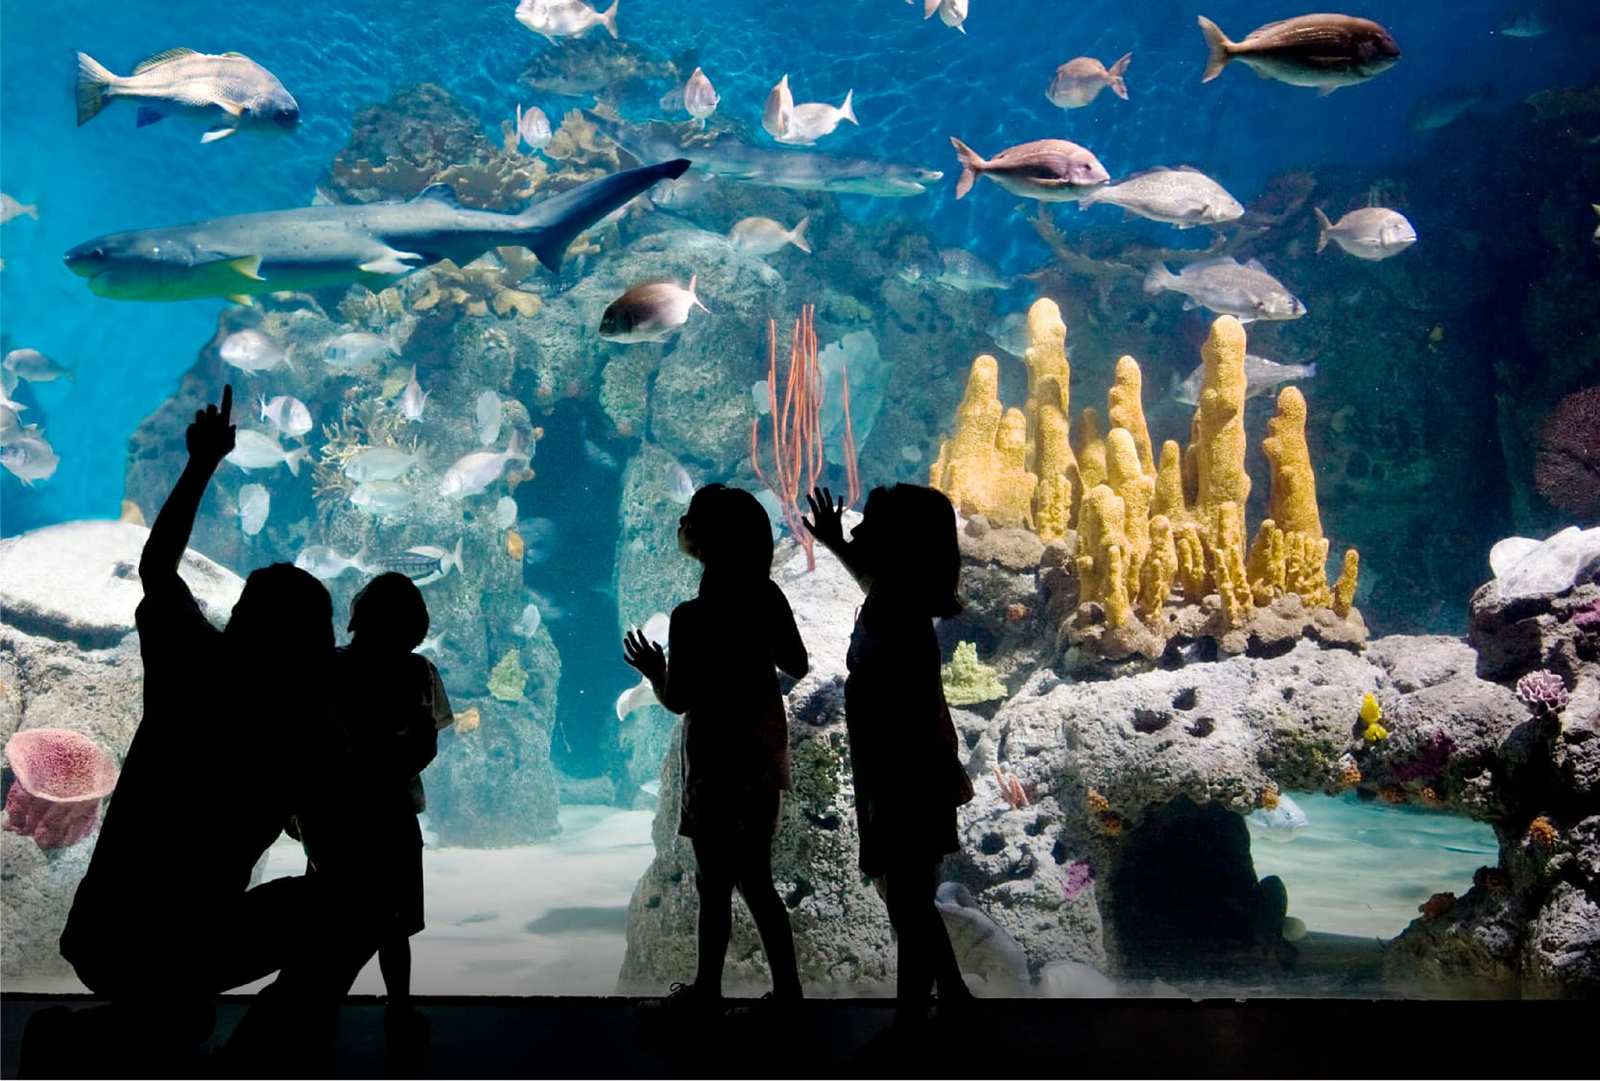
x: 1567, y: 469
x: 61, y: 777
x: 1115, y: 769
x: 69, y: 660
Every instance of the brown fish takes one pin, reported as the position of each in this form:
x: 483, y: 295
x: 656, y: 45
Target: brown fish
x: 1320, y: 51
x: 1079, y: 81
x: 1052, y: 170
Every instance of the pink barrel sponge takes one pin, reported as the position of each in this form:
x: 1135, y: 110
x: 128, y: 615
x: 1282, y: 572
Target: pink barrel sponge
x: 61, y: 777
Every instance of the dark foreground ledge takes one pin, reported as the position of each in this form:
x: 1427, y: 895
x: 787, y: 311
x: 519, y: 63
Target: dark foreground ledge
x: 1004, y: 1039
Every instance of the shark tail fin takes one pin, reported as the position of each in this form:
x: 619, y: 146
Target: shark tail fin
x: 971, y: 165
x: 94, y: 79
x: 552, y: 225
x: 1323, y: 225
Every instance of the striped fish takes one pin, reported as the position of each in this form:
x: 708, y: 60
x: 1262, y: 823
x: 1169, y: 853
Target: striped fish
x: 226, y: 92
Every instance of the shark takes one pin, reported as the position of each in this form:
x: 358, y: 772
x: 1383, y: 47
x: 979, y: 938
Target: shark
x: 725, y: 155
x: 375, y: 244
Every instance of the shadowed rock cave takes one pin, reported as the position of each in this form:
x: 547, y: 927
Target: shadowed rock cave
x: 1185, y: 899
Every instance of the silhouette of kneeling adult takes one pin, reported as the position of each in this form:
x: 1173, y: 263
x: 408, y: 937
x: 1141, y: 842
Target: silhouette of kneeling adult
x: 165, y: 916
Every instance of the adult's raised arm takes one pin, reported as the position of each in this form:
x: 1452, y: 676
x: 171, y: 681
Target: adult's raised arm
x: 209, y: 439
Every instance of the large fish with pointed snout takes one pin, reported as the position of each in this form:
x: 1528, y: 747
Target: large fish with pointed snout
x: 799, y: 170
x: 321, y: 246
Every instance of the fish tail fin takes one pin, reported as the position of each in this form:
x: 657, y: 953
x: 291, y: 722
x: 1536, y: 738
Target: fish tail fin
x: 261, y: 403
x: 1158, y: 279
x: 797, y: 235
x: 453, y: 559
x: 971, y: 165
x: 847, y: 109
x: 549, y: 227
x: 609, y: 19
x: 1118, y: 86
x: 1311, y: 370
x: 32, y: 210
x: 928, y: 8
x: 294, y: 458
x: 694, y: 299
x: 94, y: 79
x: 1323, y: 226
x: 1220, y: 48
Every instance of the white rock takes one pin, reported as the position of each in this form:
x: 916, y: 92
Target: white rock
x: 1505, y: 554
x: 1074, y: 979
x: 1554, y: 566
x: 80, y: 581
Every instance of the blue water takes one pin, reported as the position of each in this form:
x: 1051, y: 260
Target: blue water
x: 915, y: 83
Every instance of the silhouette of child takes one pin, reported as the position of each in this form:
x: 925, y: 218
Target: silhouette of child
x: 725, y: 645
x: 391, y: 707
x: 903, y: 749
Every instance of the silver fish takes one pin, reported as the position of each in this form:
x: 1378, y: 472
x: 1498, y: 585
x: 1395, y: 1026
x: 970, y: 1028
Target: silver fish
x: 527, y: 624
x: 258, y: 450
x: 649, y: 312
x: 778, y: 110
x: 227, y: 92
x: 1051, y: 170
x: 553, y: 19
x: 378, y: 463
x: 488, y: 412
x: 10, y: 208
x: 1228, y: 287
x: 763, y: 236
x: 1183, y: 197
x: 382, y: 496
x: 252, y: 351
x: 29, y: 457
x: 953, y: 13
x: 956, y: 268
x: 1010, y: 332
x: 1525, y: 24
x: 680, y: 485
x: 813, y: 120
x: 474, y: 472
x: 35, y: 367
x: 1080, y: 80
x: 533, y: 127
x: 287, y: 414
x: 1320, y: 51
x: 505, y: 512
x: 255, y: 502
x: 687, y: 191
x: 1261, y: 376
x: 598, y: 456
x: 423, y: 564
x: 413, y: 399
x: 1370, y: 233
x: 796, y: 170
x: 357, y: 350
x: 321, y: 561
x: 1446, y: 107
x: 11, y: 427
x: 318, y: 247
x: 700, y: 97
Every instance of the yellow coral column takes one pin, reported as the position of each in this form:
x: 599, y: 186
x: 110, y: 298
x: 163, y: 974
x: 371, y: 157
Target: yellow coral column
x: 1128, y: 480
x: 1219, y: 469
x: 1126, y: 410
x: 964, y: 459
x: 1049, y: 374
x: 1293, y: 501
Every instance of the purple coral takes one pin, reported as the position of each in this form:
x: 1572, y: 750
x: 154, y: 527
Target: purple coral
x: 1587, y: 618
x: 1429, y: 763
x: 1545, y: 691
x: 61, y: 777
x: 1079, y: 877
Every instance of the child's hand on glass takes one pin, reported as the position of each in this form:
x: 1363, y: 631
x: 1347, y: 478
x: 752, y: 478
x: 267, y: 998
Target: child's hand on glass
x: 827, y: 518
x: 644, y: 655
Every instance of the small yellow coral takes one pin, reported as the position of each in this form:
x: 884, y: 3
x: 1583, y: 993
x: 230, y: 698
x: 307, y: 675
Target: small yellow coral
x: 1542, y: 832
x: 1374, y: 733
x: 467, y: 720
x: 1371, y: 712
x: 1110, y: 824
x: 1269, y: 797
x: 1095, y: 802
x: 1349, y: 773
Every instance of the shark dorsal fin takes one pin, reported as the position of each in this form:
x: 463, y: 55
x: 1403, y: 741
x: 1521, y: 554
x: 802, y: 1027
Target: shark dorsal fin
x: 439, y: 193
x: 161, y: 58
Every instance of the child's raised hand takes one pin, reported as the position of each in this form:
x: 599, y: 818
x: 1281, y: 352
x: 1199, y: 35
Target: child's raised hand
x: 827, y: 518
x: 644, y: 655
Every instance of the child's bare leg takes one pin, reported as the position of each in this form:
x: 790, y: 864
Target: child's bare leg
x: 394, y: 961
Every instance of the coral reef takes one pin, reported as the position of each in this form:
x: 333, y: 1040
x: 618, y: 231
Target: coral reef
x: 1544, y: 691
x: 968, y: 681
x: 1567, y: 468
x: 61, y: 777
x: 1158, y: 547
x: 508, y: 679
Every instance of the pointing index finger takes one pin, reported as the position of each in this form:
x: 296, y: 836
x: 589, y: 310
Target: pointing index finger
x: 227, y: 402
